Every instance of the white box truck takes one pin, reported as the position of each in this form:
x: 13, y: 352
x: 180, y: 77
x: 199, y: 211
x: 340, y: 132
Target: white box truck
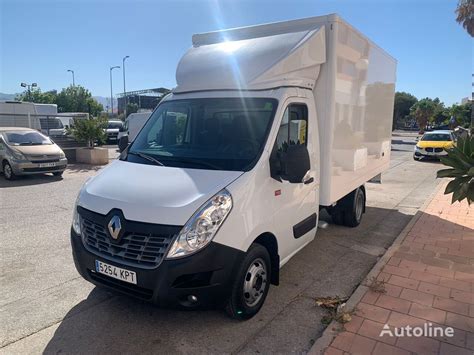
x: 224, y: 184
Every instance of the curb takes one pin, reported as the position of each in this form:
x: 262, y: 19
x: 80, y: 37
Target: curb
x: 333, y: 329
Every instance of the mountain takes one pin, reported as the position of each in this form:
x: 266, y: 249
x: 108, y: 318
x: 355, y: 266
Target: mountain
x: 9, y: 97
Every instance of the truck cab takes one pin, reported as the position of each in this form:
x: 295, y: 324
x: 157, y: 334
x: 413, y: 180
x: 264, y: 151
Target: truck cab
x: 225, y: 181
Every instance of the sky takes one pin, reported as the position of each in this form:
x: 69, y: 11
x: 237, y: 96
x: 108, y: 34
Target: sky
x: 41, y: 39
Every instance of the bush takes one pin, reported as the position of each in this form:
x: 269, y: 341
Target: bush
x: 461, y: 160
x: 89, y: 130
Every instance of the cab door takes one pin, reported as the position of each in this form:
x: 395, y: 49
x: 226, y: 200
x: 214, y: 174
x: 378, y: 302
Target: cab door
x: 296, y: 204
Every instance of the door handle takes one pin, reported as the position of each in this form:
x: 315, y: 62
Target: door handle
x: 309, y: 180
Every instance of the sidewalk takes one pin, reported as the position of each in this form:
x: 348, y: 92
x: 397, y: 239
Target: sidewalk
x: 428, y: 278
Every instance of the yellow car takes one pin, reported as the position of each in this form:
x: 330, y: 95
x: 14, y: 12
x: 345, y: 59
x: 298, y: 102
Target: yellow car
x: 433, y: 144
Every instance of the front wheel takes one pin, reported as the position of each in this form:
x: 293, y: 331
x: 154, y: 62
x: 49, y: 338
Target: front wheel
x: 251, y: 284
x: 8, y: 171
x: 58, y: 173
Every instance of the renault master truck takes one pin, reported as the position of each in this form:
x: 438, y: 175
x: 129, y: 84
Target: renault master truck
x: 225, y: 182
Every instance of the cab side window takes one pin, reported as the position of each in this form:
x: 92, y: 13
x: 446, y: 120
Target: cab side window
x: 293, y: 128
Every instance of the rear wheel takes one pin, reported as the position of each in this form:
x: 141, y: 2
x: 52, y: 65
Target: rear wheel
x: 8, y: 171
x: 250, y: 287
x: 349, y: 210
x: 353, y: 217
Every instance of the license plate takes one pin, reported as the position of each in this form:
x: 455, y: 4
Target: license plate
x: 116, y: 272
x: 47, y: 165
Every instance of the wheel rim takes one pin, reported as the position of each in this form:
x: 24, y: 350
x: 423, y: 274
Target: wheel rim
x: 7, y: 170
x: 359, y: 205
x: 255, y: 282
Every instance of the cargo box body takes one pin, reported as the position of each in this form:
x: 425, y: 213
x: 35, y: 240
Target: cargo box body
x: 354, y: 96
x: 351, y: 78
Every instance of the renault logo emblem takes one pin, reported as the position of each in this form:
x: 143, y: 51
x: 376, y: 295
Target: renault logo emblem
x: 115, y: 225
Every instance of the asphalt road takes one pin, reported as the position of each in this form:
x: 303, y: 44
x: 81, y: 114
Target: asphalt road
x: 46, y: 307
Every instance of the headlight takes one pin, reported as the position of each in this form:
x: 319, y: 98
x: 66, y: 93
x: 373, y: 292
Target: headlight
x: 417, y: 149
x: 18, y: 155
x: 202, y: 226
x: 62, y: 155
x: 76, y: 219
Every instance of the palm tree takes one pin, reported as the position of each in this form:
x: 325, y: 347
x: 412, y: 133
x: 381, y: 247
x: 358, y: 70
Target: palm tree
x: 422, y: 111
x: 465, y: 15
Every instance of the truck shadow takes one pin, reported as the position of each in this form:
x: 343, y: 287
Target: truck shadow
x: 334, y: 264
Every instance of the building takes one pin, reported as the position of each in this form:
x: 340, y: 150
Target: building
x: 145, y: 99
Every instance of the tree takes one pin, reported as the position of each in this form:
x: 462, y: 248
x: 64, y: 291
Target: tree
x: 36, y: 96
x: 460, y: 159
x: 78, y: 99
x: 423, y: 112
x: 132, y: 108
x: 403, y: 102
x: 89, y: 130
x: 440, y: 113
x: 465, y: 15
x: 462, y: 114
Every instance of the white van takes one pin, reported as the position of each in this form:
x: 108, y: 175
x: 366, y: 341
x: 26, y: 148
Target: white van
x: 224, y: 184
x: 19, y: 114
x: 31, y: 115
x: 133, y: 124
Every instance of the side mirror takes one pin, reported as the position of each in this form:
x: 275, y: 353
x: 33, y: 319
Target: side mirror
x: 293, y: 164
x: 123, y: 143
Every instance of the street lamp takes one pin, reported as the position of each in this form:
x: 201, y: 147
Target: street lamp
x: 124, y: 91
x: 72, y: 71
x: 29, y: 86
x: 111, y: 92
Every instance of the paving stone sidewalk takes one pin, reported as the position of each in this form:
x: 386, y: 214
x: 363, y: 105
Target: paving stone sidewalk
x: 429, y: 278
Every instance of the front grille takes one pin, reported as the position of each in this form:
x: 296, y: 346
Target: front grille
x: 436, y: 150
x: 141, y: 245
x: 43, y: 158
x: 45, y: 161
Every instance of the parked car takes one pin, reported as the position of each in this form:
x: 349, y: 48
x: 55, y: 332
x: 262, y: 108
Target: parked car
x: 52, y: 126
x: 225, y: 182
x: 24, y: 151
x: 112, y: 130
x: 433, y: 144
x: 133, y: 124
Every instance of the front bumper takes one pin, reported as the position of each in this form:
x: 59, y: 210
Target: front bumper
x: 207, y: 275
x: 29, y: 167
x: 429, y: 155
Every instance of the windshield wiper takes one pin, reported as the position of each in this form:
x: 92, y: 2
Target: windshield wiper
x: 195, y: 161
x: 147, y: 157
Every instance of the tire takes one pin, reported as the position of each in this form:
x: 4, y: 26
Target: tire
x: 8, y: 171
x: 58, y: 173
x: 338, y: 218
x: 253, y: 274
x: 353, y: 216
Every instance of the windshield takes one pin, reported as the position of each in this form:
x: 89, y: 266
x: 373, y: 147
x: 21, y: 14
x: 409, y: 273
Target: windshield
x: 114, y: 125
x: 26, y: 138
x: 436, y: 137
x: 217, y: 133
